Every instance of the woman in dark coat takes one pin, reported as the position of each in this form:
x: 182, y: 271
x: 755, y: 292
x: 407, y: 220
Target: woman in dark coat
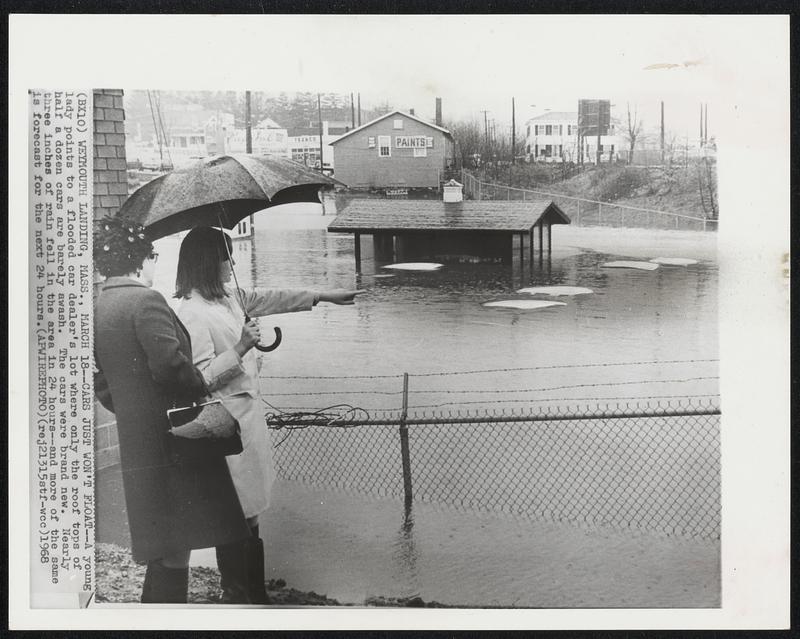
x: 144, y: 367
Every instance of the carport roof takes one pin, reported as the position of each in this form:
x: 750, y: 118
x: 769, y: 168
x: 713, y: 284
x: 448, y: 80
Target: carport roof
x: 373, y: 215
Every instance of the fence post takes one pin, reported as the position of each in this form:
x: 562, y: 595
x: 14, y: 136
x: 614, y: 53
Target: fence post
x: 404, y: 450
x: 579, y: 212
x: 599, y: 214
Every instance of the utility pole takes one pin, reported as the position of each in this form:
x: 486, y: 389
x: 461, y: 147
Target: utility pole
x: 662, y: 131
x: 248, y: 125
x: 701, y: 124
x: 352, y: 110
x: 705, y: 126
x: 319, y: 114
x: 359, y: 108
x: 513, y: 132
x: 485, y: 134
x: 599, y: 130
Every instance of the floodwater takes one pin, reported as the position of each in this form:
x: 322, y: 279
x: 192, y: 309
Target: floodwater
x: 641, y: 335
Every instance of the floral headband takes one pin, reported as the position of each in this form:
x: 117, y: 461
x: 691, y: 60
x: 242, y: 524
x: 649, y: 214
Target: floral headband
x: 120, y: 242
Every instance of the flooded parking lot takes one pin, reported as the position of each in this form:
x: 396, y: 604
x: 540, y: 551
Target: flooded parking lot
x: 639, y: 334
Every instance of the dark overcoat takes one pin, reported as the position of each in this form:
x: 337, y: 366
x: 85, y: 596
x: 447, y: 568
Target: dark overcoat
x: 144, y: 360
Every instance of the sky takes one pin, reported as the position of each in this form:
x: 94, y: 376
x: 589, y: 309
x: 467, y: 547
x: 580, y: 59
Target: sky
x: 473, y: 63
x: 477, y: 63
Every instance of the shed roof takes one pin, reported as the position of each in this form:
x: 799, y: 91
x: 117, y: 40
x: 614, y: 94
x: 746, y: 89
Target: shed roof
x: 387, y: 115
x: 371, y: 215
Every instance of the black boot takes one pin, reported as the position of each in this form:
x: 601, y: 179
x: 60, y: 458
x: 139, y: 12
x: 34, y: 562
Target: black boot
x: 232, y: 564
x: 255, y: 569
x: 165, y: 585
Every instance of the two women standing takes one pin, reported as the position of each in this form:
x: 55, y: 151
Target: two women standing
x: 149, y: 360
x: 143, y: 358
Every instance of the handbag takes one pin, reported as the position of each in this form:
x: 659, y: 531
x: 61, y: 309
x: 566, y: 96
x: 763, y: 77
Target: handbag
x: 202, y: 431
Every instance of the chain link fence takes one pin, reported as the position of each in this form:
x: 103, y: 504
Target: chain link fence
x: 585, y: 212
x: 652, y: 466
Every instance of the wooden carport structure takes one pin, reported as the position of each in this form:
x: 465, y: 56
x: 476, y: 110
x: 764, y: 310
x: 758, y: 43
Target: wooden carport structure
x: 467, y: 226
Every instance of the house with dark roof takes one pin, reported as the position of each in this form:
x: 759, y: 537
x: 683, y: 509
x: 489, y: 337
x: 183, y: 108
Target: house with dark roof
x: 396, y: 150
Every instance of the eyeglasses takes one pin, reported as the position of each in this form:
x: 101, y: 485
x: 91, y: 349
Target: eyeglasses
x: 154, y: 257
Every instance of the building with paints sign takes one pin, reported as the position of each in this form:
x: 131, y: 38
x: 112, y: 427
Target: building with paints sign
x: 395, y: 151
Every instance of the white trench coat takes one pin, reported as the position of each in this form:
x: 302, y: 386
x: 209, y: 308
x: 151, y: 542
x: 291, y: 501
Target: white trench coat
x: 215, y: 327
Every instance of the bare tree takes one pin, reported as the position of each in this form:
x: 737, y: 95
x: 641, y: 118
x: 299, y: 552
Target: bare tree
x: 632, y: 131
x: 469, y: 139
x: 707, y: 185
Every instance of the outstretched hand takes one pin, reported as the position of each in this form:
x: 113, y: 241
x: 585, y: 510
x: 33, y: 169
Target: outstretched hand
x: 340, y: 296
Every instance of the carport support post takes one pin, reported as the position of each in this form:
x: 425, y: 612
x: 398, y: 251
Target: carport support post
x: 521, y: 251
x: 541, y: 241
x: 549, y: 238
x: 532, y: 249
x: 357, y: 249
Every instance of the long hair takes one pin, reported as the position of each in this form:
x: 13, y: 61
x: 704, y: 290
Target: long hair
x: 202, y: 251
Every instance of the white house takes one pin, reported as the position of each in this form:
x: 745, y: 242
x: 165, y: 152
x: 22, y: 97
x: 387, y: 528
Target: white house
x: 553, y: 137
x: 268, y: 138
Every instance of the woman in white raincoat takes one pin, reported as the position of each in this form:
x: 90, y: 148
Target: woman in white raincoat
x: 222, y: 344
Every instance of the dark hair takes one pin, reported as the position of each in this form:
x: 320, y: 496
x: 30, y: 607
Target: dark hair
x: 202, y: 251
x: 120, y: 246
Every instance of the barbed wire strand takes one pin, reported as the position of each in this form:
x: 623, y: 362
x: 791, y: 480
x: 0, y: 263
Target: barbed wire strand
x: 494, y: 370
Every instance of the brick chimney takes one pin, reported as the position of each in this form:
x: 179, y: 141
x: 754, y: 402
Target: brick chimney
x: 411, y: 111
x: 438, y: 111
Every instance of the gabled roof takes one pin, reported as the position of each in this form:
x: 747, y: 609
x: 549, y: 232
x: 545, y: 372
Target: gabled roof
x: 388, y: 115
x: 268, y: 123
x: 371, y: 215
x: 555, y: 116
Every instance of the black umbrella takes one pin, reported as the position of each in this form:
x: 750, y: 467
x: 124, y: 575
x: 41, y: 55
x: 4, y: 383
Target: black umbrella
x: 243, y: 184
x: 222, y: 191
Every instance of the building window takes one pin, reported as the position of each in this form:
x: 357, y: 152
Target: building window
x: 529, y: 133
x: 548, y: 130
x: 384, y: 146
x: 529, y: 149
x: 398, y: 124
x: 429, y: 142
x: 371, y: 142
x: 420, y: 152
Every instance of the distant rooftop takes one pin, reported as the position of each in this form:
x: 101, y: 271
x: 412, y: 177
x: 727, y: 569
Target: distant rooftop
x: 556, y: 116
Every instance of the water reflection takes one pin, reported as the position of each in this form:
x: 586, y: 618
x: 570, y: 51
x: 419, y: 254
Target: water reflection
x: 405, y: 557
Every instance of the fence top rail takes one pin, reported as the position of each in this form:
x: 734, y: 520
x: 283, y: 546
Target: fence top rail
x: 400, y: 420
x: 583, y: 199
x: 352, y: 417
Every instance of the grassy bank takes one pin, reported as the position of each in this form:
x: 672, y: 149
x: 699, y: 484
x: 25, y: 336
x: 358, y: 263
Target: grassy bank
x: 675, y: 188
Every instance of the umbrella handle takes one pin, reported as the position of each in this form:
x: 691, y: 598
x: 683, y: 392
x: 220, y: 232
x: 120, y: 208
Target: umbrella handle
x: 274, y: 345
